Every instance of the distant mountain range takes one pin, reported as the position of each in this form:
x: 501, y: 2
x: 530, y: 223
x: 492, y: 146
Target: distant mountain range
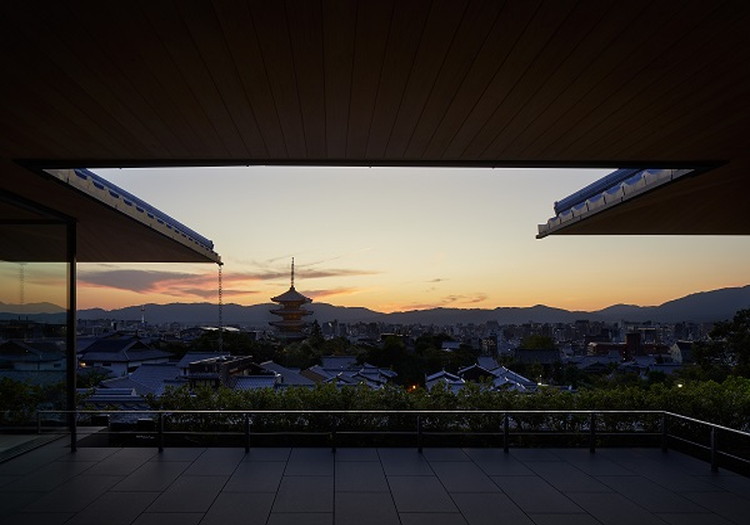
x: 711, y: 306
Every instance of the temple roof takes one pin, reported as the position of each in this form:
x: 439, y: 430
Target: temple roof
x: 291, y: 296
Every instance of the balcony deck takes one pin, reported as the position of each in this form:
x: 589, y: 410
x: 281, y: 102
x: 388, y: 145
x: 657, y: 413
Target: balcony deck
x: 274, y: 486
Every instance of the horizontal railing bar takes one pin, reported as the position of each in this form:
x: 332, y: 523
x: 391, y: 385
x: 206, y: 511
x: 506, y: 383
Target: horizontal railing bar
x: 345, y: 412
x: 732, y: 456
x: 713, y: 425
x: 339, y: 418
x: 689, y: 442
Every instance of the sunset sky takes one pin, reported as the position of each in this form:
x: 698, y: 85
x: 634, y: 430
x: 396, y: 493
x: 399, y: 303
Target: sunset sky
x: 396, y: 239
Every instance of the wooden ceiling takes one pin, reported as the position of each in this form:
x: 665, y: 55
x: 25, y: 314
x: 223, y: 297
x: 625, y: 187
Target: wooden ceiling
x: 390, y: 82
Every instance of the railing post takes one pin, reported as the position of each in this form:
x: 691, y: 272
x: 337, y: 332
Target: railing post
x: 506, y: 432
x: 592, y: 433
x: 38, y: 423
x: 160, y: 432
x: 419, y: 433
x: 664, y: 434
x: 333, y: 435
x: 247, y: 433
x: 714, y: 438
x: 74, y: 431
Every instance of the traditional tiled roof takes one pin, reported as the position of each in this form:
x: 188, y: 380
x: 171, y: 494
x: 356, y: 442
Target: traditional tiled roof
x: 289, y: 376
x: 41, y: 351
x: 291, y: 296
x: 192, y: 357
x: 340, y: 362
x: 488, y: 363
x: 113, y: 344
x: 253, y: 382
x: 147, y: 378
x: 442, y: 374
x: 35, y: 377
x: 126, y: 356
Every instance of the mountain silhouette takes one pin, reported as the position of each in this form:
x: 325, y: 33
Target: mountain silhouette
x: 709, y: 306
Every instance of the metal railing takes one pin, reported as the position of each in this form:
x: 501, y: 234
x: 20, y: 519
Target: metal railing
x: 499, y: 426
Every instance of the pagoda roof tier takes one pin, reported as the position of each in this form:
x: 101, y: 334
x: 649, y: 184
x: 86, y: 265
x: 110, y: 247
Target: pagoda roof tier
x: 288, y: 323
x: 291, y: 313
x: 291, y: 296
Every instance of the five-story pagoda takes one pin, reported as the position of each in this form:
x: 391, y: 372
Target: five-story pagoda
x: 291, y: 312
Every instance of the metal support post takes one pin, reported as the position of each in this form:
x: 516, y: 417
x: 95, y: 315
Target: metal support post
x: 247, y: 433
x: 160, y: 435
x: 592, y: 433
x: 71, y: 361
x: 419, y: 433
x: 714, y: 439
x: 333, y: 436
x: 664, y: 434
x: 506, y: 433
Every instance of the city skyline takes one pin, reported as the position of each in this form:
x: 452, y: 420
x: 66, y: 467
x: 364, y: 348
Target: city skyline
x: 393, y: 239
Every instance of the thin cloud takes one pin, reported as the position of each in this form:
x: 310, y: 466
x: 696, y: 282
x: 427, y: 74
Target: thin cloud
x: 464, y: 299
x: 318, y: 294
x: 273, y: 275
x: 319, y: 274
x: 140, y: 281
x: 454, y: 301
x: 213, y: 294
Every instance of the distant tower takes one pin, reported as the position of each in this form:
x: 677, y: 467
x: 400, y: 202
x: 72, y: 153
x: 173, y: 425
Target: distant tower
x: 291, y: 312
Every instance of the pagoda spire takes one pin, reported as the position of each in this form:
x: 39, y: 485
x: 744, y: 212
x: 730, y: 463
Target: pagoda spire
x: 291, y: 310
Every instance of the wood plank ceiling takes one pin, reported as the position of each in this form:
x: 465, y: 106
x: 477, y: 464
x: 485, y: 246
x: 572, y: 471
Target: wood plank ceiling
x: 392, y: 82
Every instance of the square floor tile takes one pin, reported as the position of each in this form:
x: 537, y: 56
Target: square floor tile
x: 404, y: 462
x: 11, y: 502
x: 178, y: 454
x: 189, y: 494
x: 613, y: 509
x: 420, y: 494
x: 304, y: 494
x: 597, y: 464
x: 50, y: 476
x: 122, y: 463
x: 310, y: 462
x: 74, y: 495
x: 693, y: 519
x: 216, y: 462
x: 37, y: 518
x: 153, y: 476
x: 357, y: 454
x: 115, y: 508
x: 729, y: 481
x: 256, y: 476
x: 247, y: 509
x: 444, y: 454
x: 726, y: 504
x: 268, y: 454
x: 365, y: 508
x: 567, y: 478
x: 533, y: 454
x: 563, y: 519
x: 495, y: 462
x: 533, y: 494
x: 650, y: 495
x: 169, y: 518
x: 360, y: 476
x: 487, y: 508
x: 431, y: 518
x: 296, y: 518
x: 459, y: 476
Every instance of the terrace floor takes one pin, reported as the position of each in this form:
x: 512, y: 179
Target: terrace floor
x: 274, y: 486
